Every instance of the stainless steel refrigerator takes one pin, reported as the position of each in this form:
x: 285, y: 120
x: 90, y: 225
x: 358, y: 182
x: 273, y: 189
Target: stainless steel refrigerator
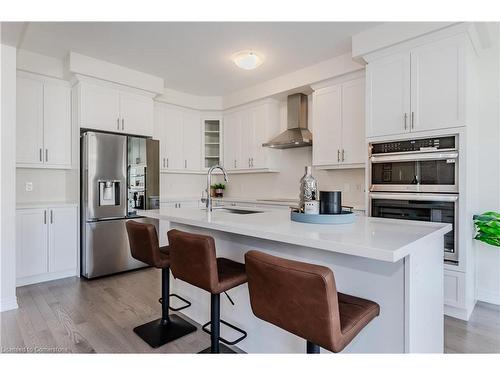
x: 118, y: 175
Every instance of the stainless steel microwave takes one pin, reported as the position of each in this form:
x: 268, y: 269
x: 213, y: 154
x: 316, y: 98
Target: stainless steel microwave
x: 427, y: 165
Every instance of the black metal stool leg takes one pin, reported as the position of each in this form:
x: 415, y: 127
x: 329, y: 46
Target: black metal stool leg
x: 312, y: 348
x: 215, y: 323
x: 169, y: 327
x: 215, y: 340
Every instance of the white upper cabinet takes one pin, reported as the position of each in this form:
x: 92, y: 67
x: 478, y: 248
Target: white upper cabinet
x: 388, y: 95
x: 99, y: 108
x: 354, y: 149
x: 29, y: 121
x: 437, y: 85
x: 44, y: 132
x: 179, y: 131
x: 421, y: 89
x: 136, y: 114
x: 232, y: 141
x: 327, y: 126
x: 57, y: 125
x: 191, y: 141
x: 245, y: 130
x: 338, y: 125
x: 114, y: 109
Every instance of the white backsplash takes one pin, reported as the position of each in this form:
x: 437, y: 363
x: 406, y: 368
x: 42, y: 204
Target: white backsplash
x: 48, y: 185
x: 284, y: 184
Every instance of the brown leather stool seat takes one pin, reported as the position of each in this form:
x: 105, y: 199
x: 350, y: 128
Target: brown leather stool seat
x: 144, y: 246
x: 302, y: 299
x: 193, y: 260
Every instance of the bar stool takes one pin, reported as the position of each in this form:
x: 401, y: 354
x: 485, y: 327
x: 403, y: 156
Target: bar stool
x: 144, y: 246
x: 193, y: 260
x: 302, y: 298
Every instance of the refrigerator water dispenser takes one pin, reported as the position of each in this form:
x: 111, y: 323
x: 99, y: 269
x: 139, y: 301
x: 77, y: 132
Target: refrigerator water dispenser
x: 109, y: 193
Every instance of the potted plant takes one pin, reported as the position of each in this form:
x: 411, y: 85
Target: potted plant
x: 218, y: 190
x: 488, y: 228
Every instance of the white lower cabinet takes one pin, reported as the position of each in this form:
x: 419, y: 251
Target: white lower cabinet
x: 46, y: 243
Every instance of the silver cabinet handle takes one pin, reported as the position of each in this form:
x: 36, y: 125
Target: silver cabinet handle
x: 41, y: 155
x: 251, y: 160
x: 412, y: 120
x: 343, y: 154
x: 46, y: 154
x: 405, y: 119
x: 167, y: 162
x: 338, y: 155
x: 185, y: 163
x: 235, y: 163
x: 45, y: 216
x: 118, y: 123
x: 123, y: 124
x: 51, y: 217
x: 163, y: 162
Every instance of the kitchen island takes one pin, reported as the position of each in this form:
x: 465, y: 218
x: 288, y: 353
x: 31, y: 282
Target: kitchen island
x: 398, y: 264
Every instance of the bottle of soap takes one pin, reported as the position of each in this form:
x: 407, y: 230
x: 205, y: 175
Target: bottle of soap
x: 308, y: 185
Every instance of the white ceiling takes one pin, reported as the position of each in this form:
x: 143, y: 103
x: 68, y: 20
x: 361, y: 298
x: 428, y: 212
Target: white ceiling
x: 191, y: 57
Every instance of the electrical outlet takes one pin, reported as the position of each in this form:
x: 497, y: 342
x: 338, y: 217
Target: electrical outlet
x: 28, y: 186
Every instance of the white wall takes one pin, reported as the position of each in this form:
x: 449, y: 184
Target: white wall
x: 488, y: 257
x: 8, y: 298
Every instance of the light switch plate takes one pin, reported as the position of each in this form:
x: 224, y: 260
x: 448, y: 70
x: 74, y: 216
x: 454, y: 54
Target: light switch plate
x: 28, y: 186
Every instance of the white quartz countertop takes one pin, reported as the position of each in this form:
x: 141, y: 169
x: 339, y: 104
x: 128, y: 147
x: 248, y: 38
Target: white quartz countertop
x: 252, y: 200
x: 44, y: 204
x: 375, y: 238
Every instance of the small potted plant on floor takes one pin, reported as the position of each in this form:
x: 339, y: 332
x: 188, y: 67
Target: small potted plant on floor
x: 218, y: 190
x: 488, y: 228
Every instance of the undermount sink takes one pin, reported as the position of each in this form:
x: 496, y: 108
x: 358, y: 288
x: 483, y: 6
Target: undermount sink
x: 236, y: 211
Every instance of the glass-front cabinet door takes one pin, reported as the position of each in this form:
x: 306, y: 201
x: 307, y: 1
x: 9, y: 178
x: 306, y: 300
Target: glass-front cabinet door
x: 212, y: 136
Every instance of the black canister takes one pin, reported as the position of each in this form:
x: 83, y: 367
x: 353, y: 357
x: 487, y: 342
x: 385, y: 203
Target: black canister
x: 330, y: 202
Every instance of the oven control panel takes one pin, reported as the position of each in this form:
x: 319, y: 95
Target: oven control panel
x: 414, y: 145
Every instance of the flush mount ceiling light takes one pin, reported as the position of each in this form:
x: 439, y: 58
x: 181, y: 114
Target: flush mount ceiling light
x: 247, y: 60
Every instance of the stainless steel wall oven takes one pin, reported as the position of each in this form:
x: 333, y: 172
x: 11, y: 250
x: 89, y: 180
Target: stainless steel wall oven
x: 417, y: 180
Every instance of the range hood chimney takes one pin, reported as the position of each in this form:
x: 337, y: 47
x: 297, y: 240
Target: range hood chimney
x: 297, y: 134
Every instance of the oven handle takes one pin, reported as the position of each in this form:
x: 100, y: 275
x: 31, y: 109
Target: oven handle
x: 416, y: 197
x: 414, y: 157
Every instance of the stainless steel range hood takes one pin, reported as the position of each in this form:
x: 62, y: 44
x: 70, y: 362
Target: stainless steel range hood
x: 297, y: 134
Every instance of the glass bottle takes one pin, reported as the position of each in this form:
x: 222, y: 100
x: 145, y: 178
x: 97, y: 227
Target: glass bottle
x: 308, y: 186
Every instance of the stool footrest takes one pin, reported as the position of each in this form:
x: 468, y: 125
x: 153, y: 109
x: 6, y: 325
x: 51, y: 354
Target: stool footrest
x: 243, y: 333
x: 187, y: 303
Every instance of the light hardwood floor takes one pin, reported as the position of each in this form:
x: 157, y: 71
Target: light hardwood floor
x: 79, y: 316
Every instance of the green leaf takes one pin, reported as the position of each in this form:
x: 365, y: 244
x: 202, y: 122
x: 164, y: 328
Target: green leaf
x: 487, y: 228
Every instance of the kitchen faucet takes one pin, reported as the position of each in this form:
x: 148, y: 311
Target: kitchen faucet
x: 209, y: 183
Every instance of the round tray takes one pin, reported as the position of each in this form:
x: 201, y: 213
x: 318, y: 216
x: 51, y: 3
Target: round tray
x: 346, y: 217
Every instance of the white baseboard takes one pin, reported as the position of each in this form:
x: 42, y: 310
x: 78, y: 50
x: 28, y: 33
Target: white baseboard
x: 7, y: 304
x: 458, y: 312
x: 488, y: 296
x: 45, y: 277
